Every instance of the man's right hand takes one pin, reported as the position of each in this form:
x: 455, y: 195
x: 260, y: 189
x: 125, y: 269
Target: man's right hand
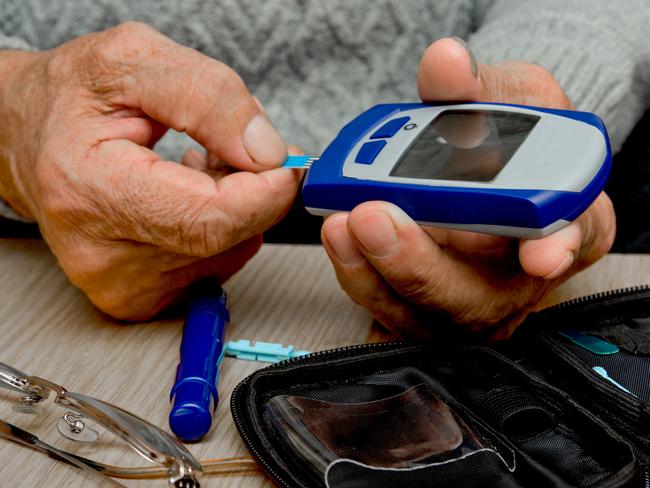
x: 132, y: 230
x: 414, y: 278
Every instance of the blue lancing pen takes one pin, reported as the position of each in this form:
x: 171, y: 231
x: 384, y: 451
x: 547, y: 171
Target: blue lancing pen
x: 194, y: 396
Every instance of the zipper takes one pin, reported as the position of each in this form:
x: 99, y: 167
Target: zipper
x: 596, y: 298
x: 639, y: 293
x: 313, y: 357
x: 236, y: 415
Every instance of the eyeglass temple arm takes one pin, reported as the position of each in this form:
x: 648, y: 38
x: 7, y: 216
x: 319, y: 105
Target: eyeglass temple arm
x: 13, y: 379
x: 232, y: 465
x: 20, y: 436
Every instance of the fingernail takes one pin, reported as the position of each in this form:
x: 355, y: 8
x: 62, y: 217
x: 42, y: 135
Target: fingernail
x: 564, y: 265
x: 343, y: 247
x: 263, y: 143
x: 472, y: 59
x: 377, y: 233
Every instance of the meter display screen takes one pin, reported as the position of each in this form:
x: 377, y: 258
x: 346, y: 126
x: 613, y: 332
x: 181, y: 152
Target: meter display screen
x: 465, y: 145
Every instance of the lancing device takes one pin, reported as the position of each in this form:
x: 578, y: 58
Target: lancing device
x: 509, y: 170
x: 194, y: 396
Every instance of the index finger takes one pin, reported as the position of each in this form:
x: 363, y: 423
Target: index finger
x: 193, y: 93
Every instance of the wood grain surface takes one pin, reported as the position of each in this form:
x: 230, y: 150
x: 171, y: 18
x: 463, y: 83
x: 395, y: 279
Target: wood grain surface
x: 286, y: 294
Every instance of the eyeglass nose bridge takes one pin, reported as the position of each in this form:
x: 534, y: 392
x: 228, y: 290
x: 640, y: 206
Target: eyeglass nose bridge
x: 41, y: 387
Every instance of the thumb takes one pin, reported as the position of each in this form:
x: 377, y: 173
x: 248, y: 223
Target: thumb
x: 449, y: 71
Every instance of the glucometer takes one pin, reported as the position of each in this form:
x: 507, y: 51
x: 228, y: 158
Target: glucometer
x: 510, y: 170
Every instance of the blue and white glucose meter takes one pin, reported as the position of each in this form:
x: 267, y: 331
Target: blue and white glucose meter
x: 500, y: 169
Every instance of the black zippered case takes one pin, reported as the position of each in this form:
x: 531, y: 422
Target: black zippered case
x: 531, y: 411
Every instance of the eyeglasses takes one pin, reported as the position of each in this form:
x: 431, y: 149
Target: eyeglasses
x: 173, y: 460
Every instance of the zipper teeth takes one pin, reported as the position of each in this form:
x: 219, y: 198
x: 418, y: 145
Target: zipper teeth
x: 584, y: 300
x: 256, y: 453
x: 307, y: 358
x: 333, y: 353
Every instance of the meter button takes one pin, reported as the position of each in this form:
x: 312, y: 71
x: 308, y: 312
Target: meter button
x: 369, y: 152
x: 390, y: 128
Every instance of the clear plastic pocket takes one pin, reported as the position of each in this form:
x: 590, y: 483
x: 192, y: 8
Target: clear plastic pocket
x: 390, y: 439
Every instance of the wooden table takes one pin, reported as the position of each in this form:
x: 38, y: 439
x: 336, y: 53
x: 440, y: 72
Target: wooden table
x: 286, y: 294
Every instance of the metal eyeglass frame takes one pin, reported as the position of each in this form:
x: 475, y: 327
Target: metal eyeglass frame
x: 175, y: 462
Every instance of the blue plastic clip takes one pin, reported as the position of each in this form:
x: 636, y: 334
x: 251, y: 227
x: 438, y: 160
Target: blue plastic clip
x: 603, y: 372
x: 589, y: 342
x: 261, y: 351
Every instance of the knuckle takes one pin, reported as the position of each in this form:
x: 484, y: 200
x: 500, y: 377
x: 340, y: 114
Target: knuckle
x: 130, y: 32
x: 59, y: 207
x: 123, y: 44
x: 484, y: 315
x: 62, y: 205
x: 57, y: 66
x: 134, y: 28
x: 138, y: 300
x: 551, y: 89
x: 215, y: 94
x: 230, y: 85
x: 235, y: 84
x: 82, y: 262
x: 227, y: 79
x: 203, y: 235
x: 119, y: 305
x: 495, y: 309
x: 538, y: 71
x: 419, y: 285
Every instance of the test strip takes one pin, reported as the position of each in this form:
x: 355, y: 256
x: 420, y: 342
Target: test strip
x: 299, y: 161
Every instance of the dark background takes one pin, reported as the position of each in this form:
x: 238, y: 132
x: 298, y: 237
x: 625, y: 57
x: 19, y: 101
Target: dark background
x: 628, y: 187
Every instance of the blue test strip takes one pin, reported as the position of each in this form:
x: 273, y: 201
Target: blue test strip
x: 298, y: 162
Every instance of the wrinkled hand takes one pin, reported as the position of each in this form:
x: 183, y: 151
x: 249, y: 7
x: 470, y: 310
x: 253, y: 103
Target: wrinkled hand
x: 412, y: 278
x: 128, y: 228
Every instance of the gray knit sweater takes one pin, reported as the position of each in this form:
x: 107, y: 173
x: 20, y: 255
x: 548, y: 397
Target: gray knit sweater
x: 314, y: 64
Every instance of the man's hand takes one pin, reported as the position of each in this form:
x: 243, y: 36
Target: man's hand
x: 132, y: 230
x: 412, y: 278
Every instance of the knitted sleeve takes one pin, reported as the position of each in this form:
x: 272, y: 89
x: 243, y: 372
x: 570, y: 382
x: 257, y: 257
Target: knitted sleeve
x: 7, y: 42
x: 597, y: 50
